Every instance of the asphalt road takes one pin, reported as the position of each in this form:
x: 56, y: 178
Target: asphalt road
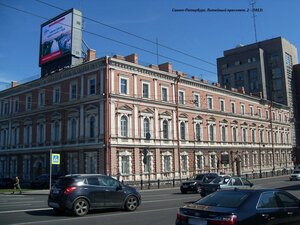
x: 158, y: 207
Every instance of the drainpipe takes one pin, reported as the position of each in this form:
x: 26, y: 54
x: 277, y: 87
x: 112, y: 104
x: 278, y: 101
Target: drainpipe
x: 107, y: 155
x: 177, y: 122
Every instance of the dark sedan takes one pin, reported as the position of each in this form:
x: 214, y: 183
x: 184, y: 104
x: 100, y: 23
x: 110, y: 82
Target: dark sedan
x: 242, y: 207
x: 194, y: 185
x: 214, y: 185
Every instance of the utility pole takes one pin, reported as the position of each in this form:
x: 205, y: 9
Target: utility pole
x: 177, y: 123
x: 252, y: 3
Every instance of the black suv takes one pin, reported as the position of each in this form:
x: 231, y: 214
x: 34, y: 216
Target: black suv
x: 82, y: 192
x: 194, y: 185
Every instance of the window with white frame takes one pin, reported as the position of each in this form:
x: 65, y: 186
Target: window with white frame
x: 274, y: 116
x: 232, y: 104
x: 211, y: 133
x: 251, y: 111
x: 181, y: 97
x: 242, y: 109
x: 73, y: 90
x: 124, y: 126
x: 15, y: 135
x: 259, y: 112
x: 244, y: 134
x: 213, y: 161
x: 124, y: 86
x: 223, y: 134
x: 92, y: 86
x: 196, y: 100
x: 166, y: 162
x: 209, y: 102
x: 182, y: 131
x: 199, y: 161
x: 222, y: 105
x: 146, y: 127
x: 263, y: 158
x: 261, y: 136
x: 92, y: 126
x: 234, y: 134
x: 184, y: 159
x: 28, y: 102
x: 165, y: 129
x: 4, y: 137
x: 147, y: 167
x: 146, y: 90
x: 56, y: 131
x: 164, y: 94
x: 253, y: 135
x: 198, y: 132
x: 5, y: 108
x: 73, y: 128
x: 125, y: 163
x: 41, y: 98
x: 255, y: 159
x: 246, y: 159
x: 269, y: 136
x: 56, y: 94
x: 267, y: 114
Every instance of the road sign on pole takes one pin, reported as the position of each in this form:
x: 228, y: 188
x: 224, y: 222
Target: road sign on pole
x: 55, y: 159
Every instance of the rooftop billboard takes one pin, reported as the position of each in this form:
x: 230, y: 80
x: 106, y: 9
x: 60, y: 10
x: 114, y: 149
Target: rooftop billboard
x: 57, y: 37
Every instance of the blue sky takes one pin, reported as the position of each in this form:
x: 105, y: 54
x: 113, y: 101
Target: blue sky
x: 203, y: 35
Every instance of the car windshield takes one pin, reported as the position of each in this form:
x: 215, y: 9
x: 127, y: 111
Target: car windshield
x: 228, y: 199
x: 199, y: 177
x: 296, y: 171
x: 217, y: 180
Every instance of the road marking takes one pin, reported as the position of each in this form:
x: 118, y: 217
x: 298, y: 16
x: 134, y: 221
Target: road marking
x: 24, y: 210
x: 95, y: 216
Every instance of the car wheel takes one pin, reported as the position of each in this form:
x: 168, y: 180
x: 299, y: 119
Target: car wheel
x: 131, y: 203
x: 81, y: 207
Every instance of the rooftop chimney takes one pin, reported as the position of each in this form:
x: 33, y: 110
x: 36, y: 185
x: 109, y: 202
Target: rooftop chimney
x: 167, y: 67
x: 91, y: 55
x: 13, y: 84
x: 132, y: 58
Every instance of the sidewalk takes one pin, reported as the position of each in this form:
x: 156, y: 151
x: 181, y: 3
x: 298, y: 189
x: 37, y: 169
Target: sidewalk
x: 28, y: 192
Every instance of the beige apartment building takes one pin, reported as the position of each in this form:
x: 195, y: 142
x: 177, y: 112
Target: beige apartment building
x: 106, y: 115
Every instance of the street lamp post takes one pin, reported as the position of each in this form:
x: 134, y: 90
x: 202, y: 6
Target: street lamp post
x: 259, y: 150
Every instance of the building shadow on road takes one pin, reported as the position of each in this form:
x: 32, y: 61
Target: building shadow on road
x: 293, y: 187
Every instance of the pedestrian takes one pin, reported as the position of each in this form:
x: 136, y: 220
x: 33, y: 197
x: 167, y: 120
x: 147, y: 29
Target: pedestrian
x: 17, y: 185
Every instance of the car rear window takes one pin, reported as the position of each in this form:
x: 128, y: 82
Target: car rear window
x: 296, y: 171
x: 66, y: 181
x: 227, y: 199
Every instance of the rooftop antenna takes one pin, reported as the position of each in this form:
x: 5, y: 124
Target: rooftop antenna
x: 252, y: 3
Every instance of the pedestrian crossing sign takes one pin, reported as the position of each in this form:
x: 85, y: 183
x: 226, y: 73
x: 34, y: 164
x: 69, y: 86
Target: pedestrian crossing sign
x: 55, y: 159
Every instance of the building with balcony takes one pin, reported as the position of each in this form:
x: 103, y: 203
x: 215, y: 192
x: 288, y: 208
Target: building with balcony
x: 102, y: 114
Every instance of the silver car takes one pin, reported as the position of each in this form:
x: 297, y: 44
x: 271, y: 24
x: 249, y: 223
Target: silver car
x: 295, y: 175
x: 236, y: 182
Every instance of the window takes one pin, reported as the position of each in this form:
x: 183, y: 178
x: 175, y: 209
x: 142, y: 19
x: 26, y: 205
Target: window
x: 73, y: 129
x: 267, y: 200
x: 41, y: 133
x: 27, y: 136
x: 146, y: 90
x: 184, y: 163
x: 125, y: 165
x: 73, y: 91
x: 164, y: 94
x: 182, y: 131
x: 259, y: 112
x: 267, y: 114
x: 16, y: 105
x: 181, y: 97
x: 222, y: 105
x: 56, y: 95
x: 253, y: 135
x: 239, y: 79
x: 146, y: 127
x: 223, y: 134
x: 242, y: 109
x: 56, y: 131
x: 5, y: 108
x: 251, y: 111
x: 198, y: 132
x: 92, y: 127
x: 213, y: 163
x: 41, y: 98
x: 244, y: 134
x: 232, y: 107
x: 92, y: 86
x: 124, y: 86
x: 261, y: 136
x: 209, y: 102
x: 165, y: 129
x: 196, y: 100
x: 288, y: 200
x: 15, y: 136
x: 199, y: 162
x: 234, y: 134
x: 253, y: 80
x: 124, y: 126
x: 166, y: 163
x: 28, y: 102
x: 211, y: 134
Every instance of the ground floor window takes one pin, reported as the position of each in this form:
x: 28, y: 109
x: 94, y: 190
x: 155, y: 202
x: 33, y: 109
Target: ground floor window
x: 72, y: 163
x: 91, y: 162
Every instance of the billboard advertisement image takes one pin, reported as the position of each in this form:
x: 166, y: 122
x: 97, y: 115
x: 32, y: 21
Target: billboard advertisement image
x: 56, y: 38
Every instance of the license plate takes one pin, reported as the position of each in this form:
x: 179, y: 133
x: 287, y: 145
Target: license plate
x: 53, y: 205
x: 197, y: 221
x: 184, y: 186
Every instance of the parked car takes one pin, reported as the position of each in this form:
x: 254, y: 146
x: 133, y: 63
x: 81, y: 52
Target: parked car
x: 194, y: 185
x: 6, y: 183
x: 81, y: 193
x: 43, y: 181
x: 242, y: 207
x: 214, y: 185
x: 295, y: 175
x: 236, y: 182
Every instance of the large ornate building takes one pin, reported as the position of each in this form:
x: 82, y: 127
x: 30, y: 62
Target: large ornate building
x: 108, y: 114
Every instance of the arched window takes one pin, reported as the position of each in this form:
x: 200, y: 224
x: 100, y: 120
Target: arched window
x: 223, y: 134
x: 146, y: 126
x: 253, y: 135
x: 124, y: 126
x: 234, y: 134
x: 211, y: 132
x: 92, y: 127
x: 165, y: 129
x: 198, y: 132
x: 182, y: 131
x: 41, y: 133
